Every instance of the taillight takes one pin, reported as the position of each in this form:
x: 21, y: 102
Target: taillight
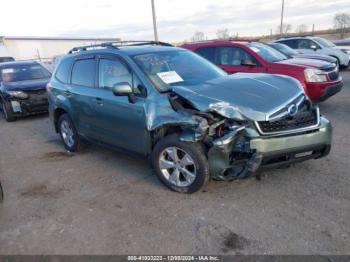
x: 48, y: 87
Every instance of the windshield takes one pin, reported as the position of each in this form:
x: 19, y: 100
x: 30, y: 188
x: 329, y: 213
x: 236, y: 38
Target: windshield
x: 324, y: 42
x: 267, y: 52
x: 23, y: 72
x: 284, y: 49
x: 173, y: 68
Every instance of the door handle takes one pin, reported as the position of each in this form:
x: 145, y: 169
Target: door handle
x: 98, y: 101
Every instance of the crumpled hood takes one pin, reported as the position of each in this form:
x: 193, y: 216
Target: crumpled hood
x: 29, y: 85
x: 242, y: 96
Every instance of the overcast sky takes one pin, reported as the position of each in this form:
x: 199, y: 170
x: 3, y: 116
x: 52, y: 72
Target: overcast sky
x: 177, y: 19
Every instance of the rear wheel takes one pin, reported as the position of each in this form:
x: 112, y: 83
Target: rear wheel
x: 68, y: 133
x: 181, y: 166
x: 7, y: 112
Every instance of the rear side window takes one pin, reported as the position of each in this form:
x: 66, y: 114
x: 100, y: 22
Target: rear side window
x: 62, y: 73
x: 207, y: 52
x: 293, y: 43
x: 83, y: 73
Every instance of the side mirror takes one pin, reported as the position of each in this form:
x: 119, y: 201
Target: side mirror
x: 122, y: 89
x: 248, y: 63
x: 313, y: 47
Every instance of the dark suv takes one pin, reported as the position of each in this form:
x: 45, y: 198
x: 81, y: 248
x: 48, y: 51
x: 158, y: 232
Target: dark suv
x: 192, y: 119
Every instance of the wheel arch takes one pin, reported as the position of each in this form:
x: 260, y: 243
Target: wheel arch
x: 334, y: 56
x: 56, y: 116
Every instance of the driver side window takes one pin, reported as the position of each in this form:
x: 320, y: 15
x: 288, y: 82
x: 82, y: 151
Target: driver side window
x: 112, y: 72
x: 234, y: 56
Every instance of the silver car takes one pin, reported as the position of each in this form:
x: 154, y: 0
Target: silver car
x: 318, y: 45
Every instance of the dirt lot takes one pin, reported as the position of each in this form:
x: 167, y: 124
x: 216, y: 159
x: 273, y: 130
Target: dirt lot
x: 104, y: 202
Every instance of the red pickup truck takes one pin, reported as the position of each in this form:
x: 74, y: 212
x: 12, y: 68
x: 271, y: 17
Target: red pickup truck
x: 320, y: 79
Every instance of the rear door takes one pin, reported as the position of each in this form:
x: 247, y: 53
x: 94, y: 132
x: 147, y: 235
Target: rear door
x: 80, y: 92
x: 292, y: 43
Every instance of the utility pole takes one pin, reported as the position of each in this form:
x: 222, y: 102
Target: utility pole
x: 154, y: 21
x: 282, y: 13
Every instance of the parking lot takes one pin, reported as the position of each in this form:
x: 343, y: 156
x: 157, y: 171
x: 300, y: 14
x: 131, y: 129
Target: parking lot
x: 104, y: 202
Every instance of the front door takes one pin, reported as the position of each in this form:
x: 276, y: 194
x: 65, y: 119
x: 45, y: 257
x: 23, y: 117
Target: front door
x: 121, y: 123
x: 308, y: 46
x: 236, y: 60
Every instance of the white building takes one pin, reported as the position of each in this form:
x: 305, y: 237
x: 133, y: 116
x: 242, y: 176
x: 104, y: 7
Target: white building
x: 44, y: 48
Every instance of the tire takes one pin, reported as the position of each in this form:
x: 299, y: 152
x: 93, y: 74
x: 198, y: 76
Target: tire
x: 1, y: 193
x: 6, y: 112
x: 68, y: 133
x: 173, y: 161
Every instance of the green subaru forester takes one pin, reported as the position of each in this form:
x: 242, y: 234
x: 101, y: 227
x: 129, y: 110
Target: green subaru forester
x: 189, y: 117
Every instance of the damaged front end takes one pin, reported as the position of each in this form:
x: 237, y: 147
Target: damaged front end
x: 240, y: 140
x: 230, y: 156
x: 228, y: 151
x: 27, y: 103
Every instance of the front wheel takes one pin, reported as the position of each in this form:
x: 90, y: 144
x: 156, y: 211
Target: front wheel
x: 68, y: 133
x: 7, y: 112
x: 181, y: 166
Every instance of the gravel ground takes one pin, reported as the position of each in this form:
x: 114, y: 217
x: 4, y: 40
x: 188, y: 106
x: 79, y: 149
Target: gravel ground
x: 104, y: 202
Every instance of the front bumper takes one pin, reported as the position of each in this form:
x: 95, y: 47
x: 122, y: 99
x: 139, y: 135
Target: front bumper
x: 324, y: 90
x: 330, y: 91
x: 28, y: 107
x: 266, y: 152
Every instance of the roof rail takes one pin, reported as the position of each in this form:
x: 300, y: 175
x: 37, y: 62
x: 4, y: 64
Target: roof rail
x: 87, y: 47
x: 116, y: 44
x: 136, y: 43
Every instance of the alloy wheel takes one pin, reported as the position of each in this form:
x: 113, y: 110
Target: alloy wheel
x: 177, y: 166
x: 67, y: 133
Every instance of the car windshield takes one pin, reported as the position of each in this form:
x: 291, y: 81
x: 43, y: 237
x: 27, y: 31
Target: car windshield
x: 23, y: 72
x: 267, y: 52
x: 284, y: 49
x: 324, y: 42
x: 171, y: 68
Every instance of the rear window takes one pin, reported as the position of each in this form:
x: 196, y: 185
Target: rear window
x: 292, y: 43
x: 83, y: 73
x: 62, y: 73
x: 6, y: 59
x: 23, y: 72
